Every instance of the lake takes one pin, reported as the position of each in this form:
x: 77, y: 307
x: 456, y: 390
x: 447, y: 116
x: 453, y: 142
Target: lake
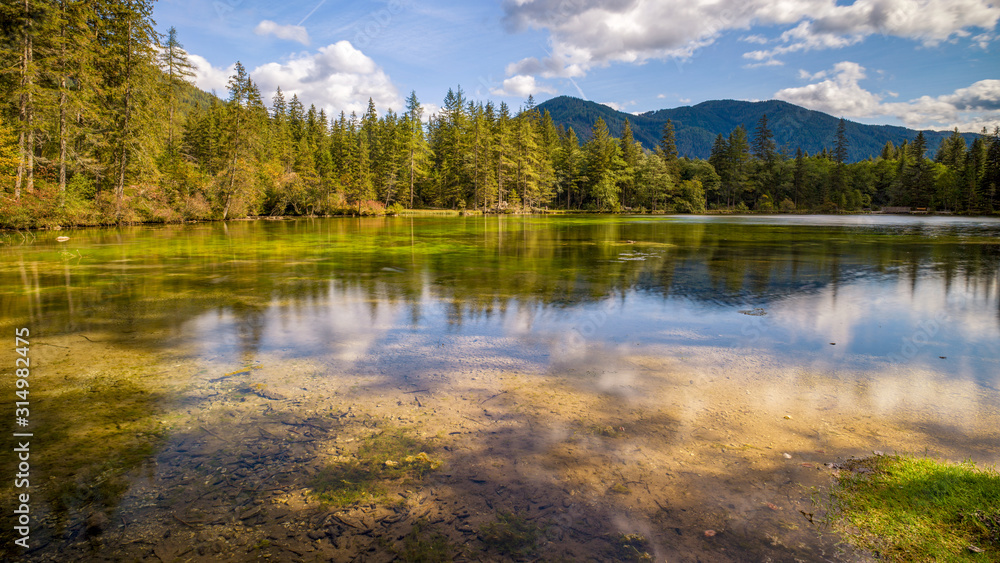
x: 560, y: 387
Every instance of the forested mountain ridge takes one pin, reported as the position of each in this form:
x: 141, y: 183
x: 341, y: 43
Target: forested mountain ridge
x: 100, y: 124
x: 695, y: 127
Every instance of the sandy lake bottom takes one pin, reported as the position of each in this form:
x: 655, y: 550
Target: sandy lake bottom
x: 707, y: 453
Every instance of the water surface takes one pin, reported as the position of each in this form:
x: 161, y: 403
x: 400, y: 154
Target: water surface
x: 877, y: 331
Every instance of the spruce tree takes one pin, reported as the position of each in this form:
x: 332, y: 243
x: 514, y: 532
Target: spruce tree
x: 667, y: 149
x: 631, y: 151
x: 838, y: 177
x: 178, y: 71
x: 763, y: 142
x: 414, y: 142
x: 28, y: 19
x: 738, y: 157
x: 129, y: 73
x: 70, y: 70
x: 840, y: 152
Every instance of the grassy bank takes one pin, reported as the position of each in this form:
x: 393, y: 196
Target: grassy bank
x: 906, y: 508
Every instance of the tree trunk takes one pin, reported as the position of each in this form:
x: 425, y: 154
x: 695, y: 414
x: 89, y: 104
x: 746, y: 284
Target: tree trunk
x: 125, y: 132
x: 26, y: 139
x: 62, y: 106
x: 62, y: 143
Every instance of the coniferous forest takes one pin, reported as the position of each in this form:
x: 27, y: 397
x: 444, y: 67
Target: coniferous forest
x: 101, y: 124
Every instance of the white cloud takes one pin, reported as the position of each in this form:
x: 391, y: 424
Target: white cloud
x: 769, y: 62
x: 840, y: 95
x: 208, y: 77
x: 983, y: 40
x: 983, y: 95
x: 619, y: 107
x: 806, y: 75
x: 288, y: 32
x: 589, y: 33
x: 521, y: 85
x: 968, y: 108
x: 804, y: 37
x: 336, y: 78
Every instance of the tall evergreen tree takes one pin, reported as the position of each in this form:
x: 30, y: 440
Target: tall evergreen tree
x: 631, y: 151
x: 763, y: 142
x: 128, y: 58
x: 840, y: 151
x: 667, y: 149
x: 798, y: 177
x: 72, y: 56
x: 603, y: 163
x: 240, y: 139
x: 738, y: 158
x: 502, y: 144
x: 838, y: 178
x: 178, y: 71
x: 28, y: 17
x: 414, y: 143
x: 569, y: 166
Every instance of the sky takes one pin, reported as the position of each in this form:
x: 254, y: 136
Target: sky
x: 925, y: 64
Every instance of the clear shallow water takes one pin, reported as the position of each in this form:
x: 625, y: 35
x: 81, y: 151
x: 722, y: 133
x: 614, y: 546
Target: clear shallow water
x: 893, y: 289
x: 623, y: 321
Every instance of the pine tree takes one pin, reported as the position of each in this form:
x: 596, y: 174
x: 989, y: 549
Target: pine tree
x: 840, y: 152
x: 72, y: 54
x: 478, y: 150
x: 29, y: 18
x: 918, y: 148
x: 128, y: 67
x: 603, y: 162
x: 569, y: 164
x: 763, y: 142
x: 296, y: 118
x: 719, y: 159
x: 502, y: 146
x: 414, y: 142
x: 178, y: 70
x: 631, y: 151
x: 281, y: 136
x: 667, y: 149
x: 738, y: 157
x: 548, y: 143
x: 888, y: 151
x: 838, y: 178
x: 973, y: 172
x: 241, y: 136
x: 798, y: 177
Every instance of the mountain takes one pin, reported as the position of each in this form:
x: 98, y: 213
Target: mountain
x: 695, y: 127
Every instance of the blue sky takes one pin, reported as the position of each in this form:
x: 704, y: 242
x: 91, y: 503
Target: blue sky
x: 921, y: 63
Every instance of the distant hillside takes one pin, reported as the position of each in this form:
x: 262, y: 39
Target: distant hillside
x: 189, y: 96
x: 696, y: 126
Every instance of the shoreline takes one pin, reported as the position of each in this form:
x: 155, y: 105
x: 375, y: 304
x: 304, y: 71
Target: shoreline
x: 479, y: 213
